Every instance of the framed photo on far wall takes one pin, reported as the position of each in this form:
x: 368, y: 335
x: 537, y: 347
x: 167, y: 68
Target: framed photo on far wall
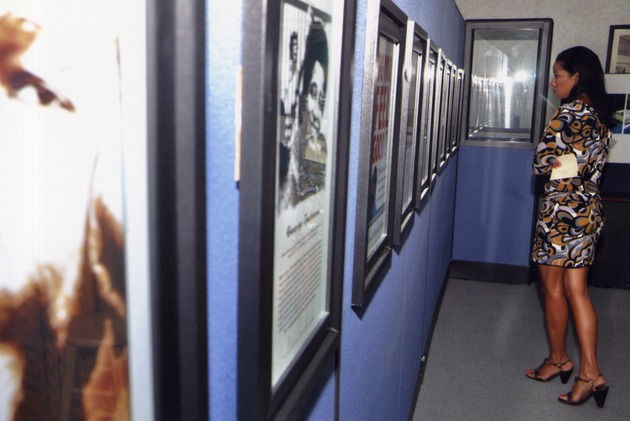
x: 618, y: 57
x: 619, y: 94
x: 380, y: 123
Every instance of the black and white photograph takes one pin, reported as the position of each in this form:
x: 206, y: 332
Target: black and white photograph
x: 304, y: 127
x: 306, y: 130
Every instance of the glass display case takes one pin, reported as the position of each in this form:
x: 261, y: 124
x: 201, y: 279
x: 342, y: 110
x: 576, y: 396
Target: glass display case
x: 507, y: 62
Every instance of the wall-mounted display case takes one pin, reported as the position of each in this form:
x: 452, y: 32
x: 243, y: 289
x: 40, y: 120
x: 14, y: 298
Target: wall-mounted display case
x: 507, y: 64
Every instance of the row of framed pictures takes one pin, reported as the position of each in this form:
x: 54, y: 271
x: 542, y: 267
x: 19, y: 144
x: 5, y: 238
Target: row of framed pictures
x: 411, y: 106
x: 297, y: 73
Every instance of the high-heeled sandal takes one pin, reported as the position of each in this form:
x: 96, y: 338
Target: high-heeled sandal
x: 565, y: 375
x: 599, y: 392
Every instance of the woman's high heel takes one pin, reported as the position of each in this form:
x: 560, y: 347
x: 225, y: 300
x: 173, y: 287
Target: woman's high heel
x: 565, y: 375
x: 599, y: 392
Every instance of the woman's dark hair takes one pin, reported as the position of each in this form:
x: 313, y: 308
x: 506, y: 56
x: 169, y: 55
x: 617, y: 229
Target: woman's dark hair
x: 590, y: 82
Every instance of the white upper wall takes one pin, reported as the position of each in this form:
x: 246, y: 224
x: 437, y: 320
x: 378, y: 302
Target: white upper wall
x: 575, y: 22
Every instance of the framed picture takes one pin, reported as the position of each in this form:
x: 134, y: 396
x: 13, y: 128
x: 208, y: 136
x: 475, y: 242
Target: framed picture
x: 443, y: 127
x: 619, y: 94
x: 84, y: 254
x: 380, y: 123
x: 621, y: 105
x: 446, y: 111
x: 293, y: 188
x: 426, y: 124
x: 457, y: 103
x: 436, y: 150
x: 618, y: 58
x: 409, y: 133
x: 452, y: 116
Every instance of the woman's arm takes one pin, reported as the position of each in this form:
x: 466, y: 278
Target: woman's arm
x: 551, y: 145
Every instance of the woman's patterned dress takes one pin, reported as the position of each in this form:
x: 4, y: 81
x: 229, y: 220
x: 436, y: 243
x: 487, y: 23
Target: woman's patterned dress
x: 570, y: 218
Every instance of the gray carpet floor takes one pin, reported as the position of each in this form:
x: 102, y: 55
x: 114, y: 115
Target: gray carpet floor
x: 487, y: 334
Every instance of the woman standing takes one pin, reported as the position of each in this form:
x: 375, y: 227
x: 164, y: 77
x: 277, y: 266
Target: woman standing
x: 570, y: 219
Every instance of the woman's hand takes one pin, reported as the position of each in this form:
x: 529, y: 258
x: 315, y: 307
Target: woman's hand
x: 556, y: 164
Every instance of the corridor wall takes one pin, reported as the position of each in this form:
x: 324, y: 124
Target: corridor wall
x: 495, y: 205
x: 381, y: 349
x: 224, y: 38
x: 376, y: 370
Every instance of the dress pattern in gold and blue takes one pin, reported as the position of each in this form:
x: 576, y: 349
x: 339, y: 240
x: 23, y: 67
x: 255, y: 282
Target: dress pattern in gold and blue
x: 570, y: 217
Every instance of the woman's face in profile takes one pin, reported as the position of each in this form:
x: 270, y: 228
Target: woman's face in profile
x: 562, y: 82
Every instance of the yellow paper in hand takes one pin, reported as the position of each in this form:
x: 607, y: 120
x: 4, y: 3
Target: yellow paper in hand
x: 568, y: 169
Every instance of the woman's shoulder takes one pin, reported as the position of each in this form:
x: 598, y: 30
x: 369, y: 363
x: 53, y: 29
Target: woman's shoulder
x: 576, y: 110
x: 577, y: 106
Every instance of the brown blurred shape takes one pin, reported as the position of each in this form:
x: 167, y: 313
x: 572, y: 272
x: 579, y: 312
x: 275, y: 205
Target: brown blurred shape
x: 16, y: 36
x: 79, y: 370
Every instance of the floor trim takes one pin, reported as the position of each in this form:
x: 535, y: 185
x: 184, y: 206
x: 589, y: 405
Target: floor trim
x: 493, y: 272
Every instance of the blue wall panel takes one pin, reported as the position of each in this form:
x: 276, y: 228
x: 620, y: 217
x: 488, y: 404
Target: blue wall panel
x: 440, y: 239
x: 415, y: 253
x: 322, y: 405
x: 495, y: 205
x: 371, y: 352
x: 380, y: 353
x: 224, y: 45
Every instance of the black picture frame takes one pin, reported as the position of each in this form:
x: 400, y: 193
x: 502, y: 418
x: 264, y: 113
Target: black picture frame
x: 444, y: 109
x: 262, y: 392
x: 445, y: 127
x: 457, y: 103
x: 409, y: 133
x: 426, y: 148
x: 618, y: 53
x: 436, y: 150
x: 452, y: 116
x: 177, y: 194
x: 378, y: 153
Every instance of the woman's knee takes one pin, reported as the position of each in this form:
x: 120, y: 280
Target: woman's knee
x: 575, y: 283
x: 552, y: 282
x: 554, y: 291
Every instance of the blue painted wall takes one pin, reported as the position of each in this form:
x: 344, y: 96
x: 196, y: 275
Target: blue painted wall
x: 224, y: 56
x: 495, y: 205
x: 381, y: 352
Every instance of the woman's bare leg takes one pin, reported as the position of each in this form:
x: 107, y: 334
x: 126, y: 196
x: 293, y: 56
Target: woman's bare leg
x: 556, y: 318
x: 585, y: 320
